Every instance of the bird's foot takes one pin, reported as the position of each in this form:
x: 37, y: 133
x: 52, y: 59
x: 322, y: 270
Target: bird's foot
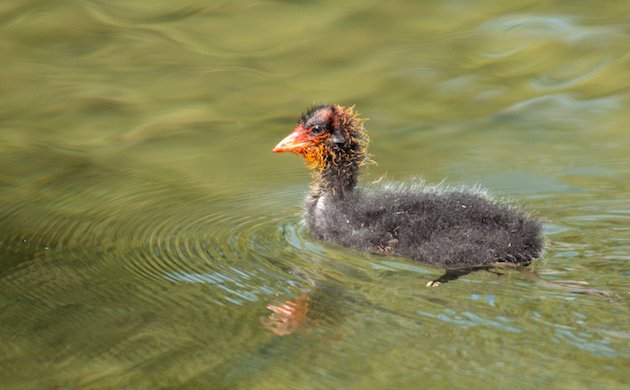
x: 448, y: 276
x: 434, y: 283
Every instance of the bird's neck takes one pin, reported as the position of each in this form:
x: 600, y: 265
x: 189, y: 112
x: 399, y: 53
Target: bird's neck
x: 336, y: 167
x: 337, y: 180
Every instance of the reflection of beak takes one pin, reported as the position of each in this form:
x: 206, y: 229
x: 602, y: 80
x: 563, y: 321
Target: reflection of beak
x: 287, y: 317
x: 293, y: 142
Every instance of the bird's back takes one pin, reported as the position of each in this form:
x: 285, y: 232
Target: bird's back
x: 447, y: 229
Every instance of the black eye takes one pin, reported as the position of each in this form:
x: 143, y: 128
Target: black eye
x: 317, y: 130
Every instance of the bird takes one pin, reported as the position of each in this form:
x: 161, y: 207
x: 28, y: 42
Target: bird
x: 459, y: 230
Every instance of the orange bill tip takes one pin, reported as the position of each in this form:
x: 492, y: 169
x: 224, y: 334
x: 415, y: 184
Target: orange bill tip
x: 293, y: 142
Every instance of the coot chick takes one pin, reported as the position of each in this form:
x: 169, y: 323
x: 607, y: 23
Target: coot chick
x: 456, y: 230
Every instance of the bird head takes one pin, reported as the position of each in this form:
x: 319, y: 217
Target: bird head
x: 327, y: 135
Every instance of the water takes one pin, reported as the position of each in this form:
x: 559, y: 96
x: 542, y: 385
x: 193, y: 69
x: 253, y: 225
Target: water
x: 148, y: 234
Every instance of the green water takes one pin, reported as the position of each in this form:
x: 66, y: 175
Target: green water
x: 146, y: 229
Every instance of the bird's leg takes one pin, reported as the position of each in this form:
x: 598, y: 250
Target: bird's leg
x: 493, y: 271
x: 576, y: 286
x: 534, y: 276
x: 448, y: 276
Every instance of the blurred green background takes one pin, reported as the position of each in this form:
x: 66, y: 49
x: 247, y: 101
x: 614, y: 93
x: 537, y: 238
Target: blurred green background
x: 145, y: 225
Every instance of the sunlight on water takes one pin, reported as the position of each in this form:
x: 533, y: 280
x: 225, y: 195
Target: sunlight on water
x: 149, y: 238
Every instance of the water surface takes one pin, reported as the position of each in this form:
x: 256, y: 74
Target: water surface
x: 148, y: 234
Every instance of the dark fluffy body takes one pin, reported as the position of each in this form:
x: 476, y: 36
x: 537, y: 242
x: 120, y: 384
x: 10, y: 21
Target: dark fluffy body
x: 453, y: 230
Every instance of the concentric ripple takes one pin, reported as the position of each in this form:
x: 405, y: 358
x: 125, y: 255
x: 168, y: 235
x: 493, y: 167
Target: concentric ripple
x: 152, y: 234
x: 225, y: 249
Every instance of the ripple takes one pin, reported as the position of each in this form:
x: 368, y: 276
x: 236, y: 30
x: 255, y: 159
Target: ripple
x: 533, y: 41
x: 571, y: 76
x: 564, y: 27
x: 132, y: 14
x: 561, y: 109
x: 586, y: 342
x: 226, y: 250
x: 95, y: 221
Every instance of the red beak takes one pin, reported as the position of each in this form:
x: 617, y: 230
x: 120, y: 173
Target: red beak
x: 293, y: 142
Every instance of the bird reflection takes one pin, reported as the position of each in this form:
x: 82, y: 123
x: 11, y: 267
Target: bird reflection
x: 288, y: 316
x: 321, y: 301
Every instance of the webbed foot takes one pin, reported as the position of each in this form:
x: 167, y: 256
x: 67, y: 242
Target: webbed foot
x: 434, y: 283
